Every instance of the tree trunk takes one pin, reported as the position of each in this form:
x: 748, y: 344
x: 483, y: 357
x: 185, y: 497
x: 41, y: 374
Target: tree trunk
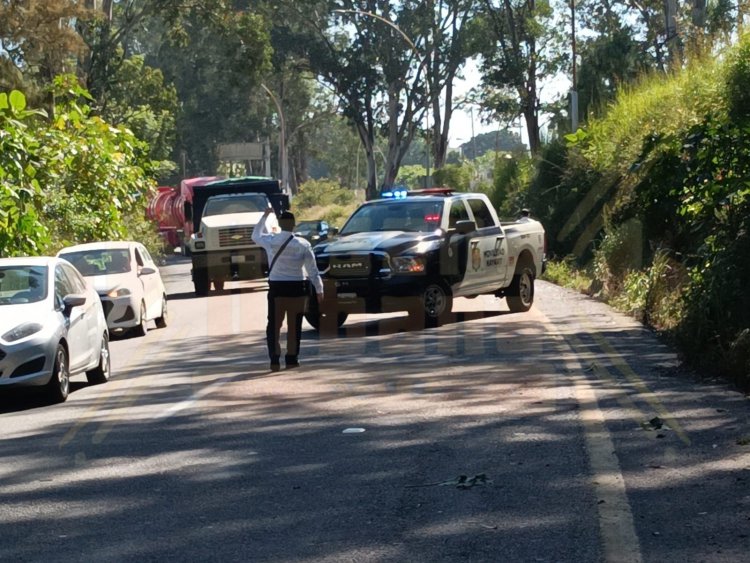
x: 366, y: 135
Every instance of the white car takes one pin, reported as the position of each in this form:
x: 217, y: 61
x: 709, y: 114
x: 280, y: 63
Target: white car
x: 52, y: 326
x: 127, y: 280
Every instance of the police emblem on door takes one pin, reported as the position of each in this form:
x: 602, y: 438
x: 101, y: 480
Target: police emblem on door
x: 476, y: 256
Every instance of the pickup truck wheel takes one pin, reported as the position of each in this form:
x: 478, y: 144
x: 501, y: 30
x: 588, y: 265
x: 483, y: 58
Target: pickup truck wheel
x: 436, y: 302
x: 200, y: 281
x: 313, y: 316
x: 520, y: 294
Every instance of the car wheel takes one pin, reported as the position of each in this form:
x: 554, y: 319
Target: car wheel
x: 142, y: 328
x: 101, y: 373
x: 520, y: 296
x: 58, y: 386
x: 435, y: 302
x: 316, y: 320
x: 161, y: 322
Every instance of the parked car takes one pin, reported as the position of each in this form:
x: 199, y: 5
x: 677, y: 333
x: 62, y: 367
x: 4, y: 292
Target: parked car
x: 313, y: 231
x: 127, y: 280
x: 52, y: 326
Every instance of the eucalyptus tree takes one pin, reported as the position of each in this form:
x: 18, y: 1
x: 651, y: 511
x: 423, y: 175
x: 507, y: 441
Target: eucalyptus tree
x: 38, y: 40
x: 518, y: 41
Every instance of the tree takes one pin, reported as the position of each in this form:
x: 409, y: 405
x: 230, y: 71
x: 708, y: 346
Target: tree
x: 38, y: 41
x: 517, y: 48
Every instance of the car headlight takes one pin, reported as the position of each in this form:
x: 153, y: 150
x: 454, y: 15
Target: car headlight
x: 408, y: 264
x: 22, y: 331
x: 119, y: 292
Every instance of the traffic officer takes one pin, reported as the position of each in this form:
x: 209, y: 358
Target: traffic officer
x: 292, y: 268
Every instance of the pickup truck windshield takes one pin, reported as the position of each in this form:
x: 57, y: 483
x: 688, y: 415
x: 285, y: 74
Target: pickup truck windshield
x: 396, y: 215
x: 249, y: 203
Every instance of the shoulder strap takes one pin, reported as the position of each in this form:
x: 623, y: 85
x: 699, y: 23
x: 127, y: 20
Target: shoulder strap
x: 281, y: 249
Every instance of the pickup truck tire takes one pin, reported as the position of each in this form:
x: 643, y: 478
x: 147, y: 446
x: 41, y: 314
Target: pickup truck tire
x: 435, y: 303
x: 314, y: 318
x: 200, y: 281
x: 520, y: 294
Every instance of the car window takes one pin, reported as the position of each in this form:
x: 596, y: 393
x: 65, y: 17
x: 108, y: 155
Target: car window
x: 22, y: 284
x: 74, y: 279
x: 414, y: 216
x: 99, y: 262
x: 457, y: 213
x: 482, y: 215
x: 63, y: 286
x: 139, y: 258
x: 146, y: 255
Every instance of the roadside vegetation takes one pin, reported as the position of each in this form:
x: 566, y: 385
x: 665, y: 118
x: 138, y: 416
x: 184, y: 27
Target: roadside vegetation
x: 648, y: 208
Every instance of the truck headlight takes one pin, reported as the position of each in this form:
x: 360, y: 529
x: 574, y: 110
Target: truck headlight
x: 408, y: 264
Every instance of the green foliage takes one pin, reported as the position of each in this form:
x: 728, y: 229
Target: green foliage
x: 737, y: 80
x: 411, y: 176
x: 325, y: 199
x: 456, y: 176
x: 658, y: 188
x: 566, y: 274
x: 73, y: 180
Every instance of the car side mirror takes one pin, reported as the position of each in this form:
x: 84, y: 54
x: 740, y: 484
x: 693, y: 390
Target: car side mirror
x: 146, y: 271
x: 333, y: 231
x: 71, y: 301
x: 465, y: 227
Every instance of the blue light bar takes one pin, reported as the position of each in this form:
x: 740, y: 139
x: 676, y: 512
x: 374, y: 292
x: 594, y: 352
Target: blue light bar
x: 395, y: 194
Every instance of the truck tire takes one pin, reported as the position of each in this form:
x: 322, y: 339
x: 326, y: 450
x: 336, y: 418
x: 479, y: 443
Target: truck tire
x: 200, y: 281
x: 435, y: 304
x: 313, y: 316
x: 520, y: 294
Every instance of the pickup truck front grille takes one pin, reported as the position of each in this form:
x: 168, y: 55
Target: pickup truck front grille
x: 356, y: 265
x: 235, y: 236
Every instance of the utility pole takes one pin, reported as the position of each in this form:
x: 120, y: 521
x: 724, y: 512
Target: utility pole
x: 574, y: 89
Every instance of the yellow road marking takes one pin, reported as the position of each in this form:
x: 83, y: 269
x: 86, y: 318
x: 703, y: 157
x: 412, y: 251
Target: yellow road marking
x: 619, y: 538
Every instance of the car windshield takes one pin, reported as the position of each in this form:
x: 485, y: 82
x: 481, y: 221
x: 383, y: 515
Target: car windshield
x: 306, y: 227
x: 249, y: 203
x: 397, y: 215
x: 22, y: 284
x: 100, y: 262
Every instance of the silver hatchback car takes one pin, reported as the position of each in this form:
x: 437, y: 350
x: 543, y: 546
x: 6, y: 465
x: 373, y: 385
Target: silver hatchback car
x: 52, y: 326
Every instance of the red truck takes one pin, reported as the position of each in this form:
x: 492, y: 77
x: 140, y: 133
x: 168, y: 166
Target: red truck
x: 169, y: 208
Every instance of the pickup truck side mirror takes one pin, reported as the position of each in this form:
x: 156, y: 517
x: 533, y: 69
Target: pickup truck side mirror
x: 465, y: 227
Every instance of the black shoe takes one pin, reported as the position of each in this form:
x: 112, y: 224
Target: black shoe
x: 292, y: 365
x: 275, y: 367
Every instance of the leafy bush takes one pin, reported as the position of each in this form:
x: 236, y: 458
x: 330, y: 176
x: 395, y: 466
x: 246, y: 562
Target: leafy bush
x: 565, y: 274
x: 456, y: 176
x: 70, y: 180
x: 325, y: 200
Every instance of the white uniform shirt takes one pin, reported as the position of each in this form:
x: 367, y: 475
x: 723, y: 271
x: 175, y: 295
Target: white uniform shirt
x: 295, y: 263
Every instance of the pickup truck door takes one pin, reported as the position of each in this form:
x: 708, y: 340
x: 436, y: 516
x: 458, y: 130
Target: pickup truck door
x: 488, y: 249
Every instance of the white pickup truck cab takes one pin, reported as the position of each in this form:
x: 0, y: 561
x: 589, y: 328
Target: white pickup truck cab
x: 418, y: 251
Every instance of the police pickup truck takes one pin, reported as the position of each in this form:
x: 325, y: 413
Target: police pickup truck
x: 416, y: 251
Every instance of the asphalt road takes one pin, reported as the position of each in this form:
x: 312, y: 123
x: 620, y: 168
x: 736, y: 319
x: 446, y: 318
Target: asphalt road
x: 566, y: 434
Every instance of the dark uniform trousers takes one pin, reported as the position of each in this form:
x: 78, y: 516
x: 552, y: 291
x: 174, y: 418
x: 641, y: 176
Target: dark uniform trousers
x: 286, y: 299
